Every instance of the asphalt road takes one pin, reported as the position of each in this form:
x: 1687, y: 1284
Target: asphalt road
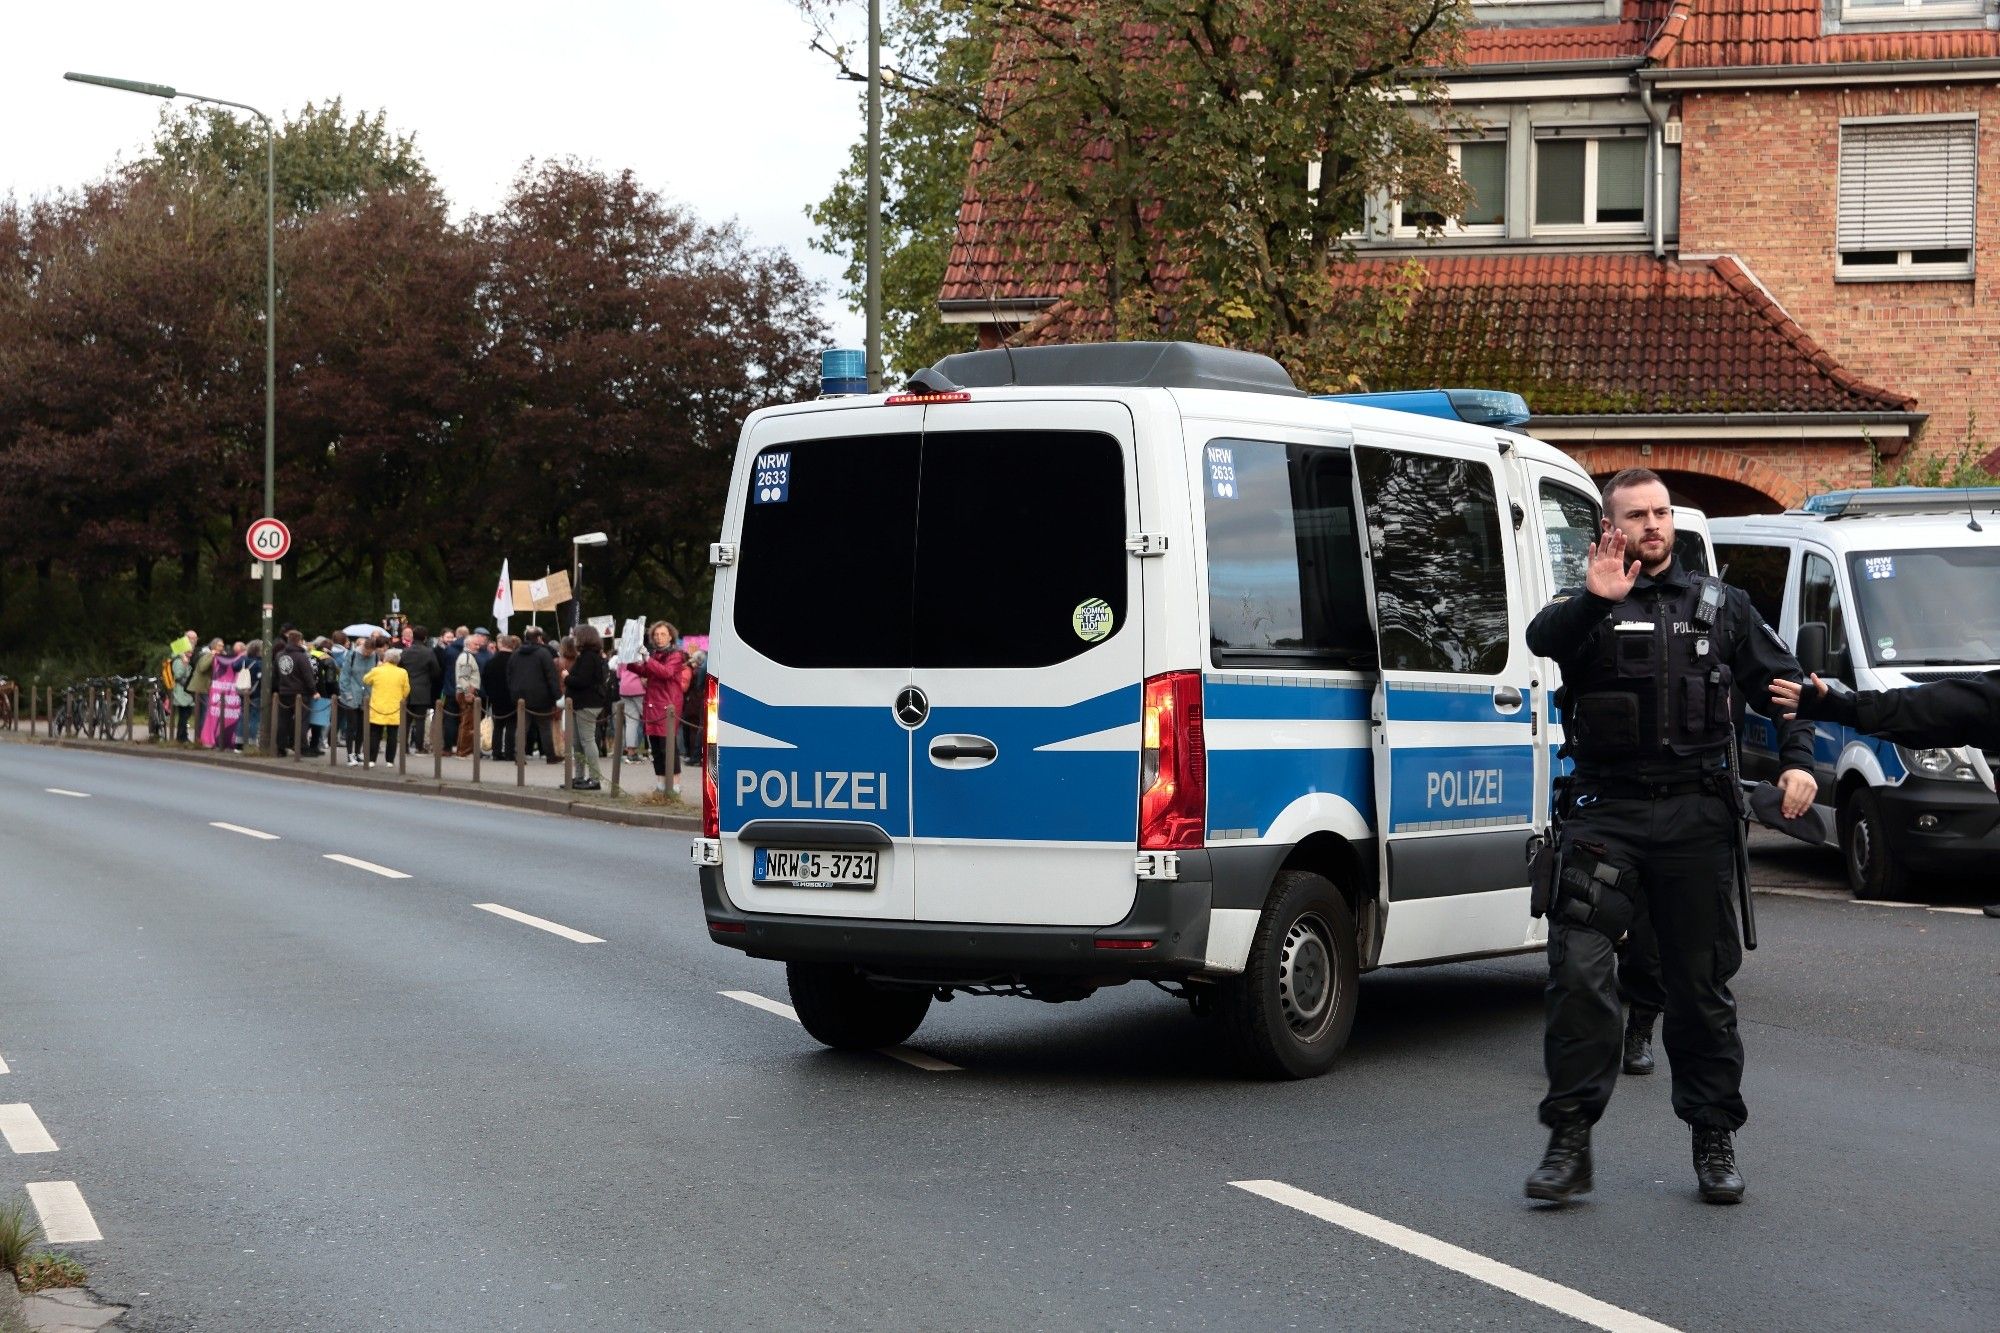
x: 295, y: 1093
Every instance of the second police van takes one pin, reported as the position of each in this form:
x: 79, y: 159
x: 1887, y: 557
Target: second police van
x: 1883, y: 589
x: 1086, y: 665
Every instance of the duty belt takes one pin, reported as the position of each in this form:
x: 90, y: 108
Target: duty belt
x: 1624, y: 789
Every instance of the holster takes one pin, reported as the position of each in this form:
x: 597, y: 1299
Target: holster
x: 1542, y: 864
x: 1593, y: 893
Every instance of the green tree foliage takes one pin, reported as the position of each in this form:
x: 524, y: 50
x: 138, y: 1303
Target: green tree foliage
x: 449, y: 393
x: 926, y: 151
x: 1200, y: 166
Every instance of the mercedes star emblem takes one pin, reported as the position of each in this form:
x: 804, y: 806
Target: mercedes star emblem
x: 912, y: 708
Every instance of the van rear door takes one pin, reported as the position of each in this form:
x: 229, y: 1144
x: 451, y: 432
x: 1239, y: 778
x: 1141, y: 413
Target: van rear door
x: 1029, y: 661
x: 817, y: 652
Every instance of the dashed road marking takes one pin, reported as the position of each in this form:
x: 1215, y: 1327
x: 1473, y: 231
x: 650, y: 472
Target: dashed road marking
x: 3, y: 1065
x: 1961, y: 911
x: 369, y: 866
x: 246, y: 832
x: 64, y: 791
x: 915, y: 1059
x: 65, y: 1217
x: 22, y: 1129
x: 538, y: 923
x: 1563, y: 1300
x: 1836, y: 896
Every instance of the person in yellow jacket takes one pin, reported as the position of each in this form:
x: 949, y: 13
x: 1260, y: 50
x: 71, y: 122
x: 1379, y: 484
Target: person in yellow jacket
x: 388, y: 686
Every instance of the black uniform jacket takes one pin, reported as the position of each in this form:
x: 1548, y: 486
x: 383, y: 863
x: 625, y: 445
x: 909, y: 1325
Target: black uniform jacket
x: 1944, y: 712
x: 1755, y: 654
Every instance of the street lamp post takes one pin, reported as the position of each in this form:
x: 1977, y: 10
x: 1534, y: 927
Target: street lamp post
x: 268, y: 727
x: 576, y: 545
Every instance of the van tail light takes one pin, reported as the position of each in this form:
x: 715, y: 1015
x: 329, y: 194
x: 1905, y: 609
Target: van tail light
x: 1173, y: 764
x: 711, y: 807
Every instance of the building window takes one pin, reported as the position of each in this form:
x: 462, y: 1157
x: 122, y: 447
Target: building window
x: 1907, y: 190
x: 1483, y: 165
x: 1590, y: 180
x: 1897, y: 11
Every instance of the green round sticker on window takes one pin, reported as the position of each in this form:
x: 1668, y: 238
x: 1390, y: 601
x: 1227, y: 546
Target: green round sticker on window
x: 1092, y: 620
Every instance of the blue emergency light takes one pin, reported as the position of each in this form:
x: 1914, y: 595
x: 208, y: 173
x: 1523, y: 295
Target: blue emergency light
x: 1480, y: 407
x: 842, y: 370
x: 1902, y: 500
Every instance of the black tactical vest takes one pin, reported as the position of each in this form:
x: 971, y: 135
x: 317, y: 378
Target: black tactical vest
x: 1650, y: 682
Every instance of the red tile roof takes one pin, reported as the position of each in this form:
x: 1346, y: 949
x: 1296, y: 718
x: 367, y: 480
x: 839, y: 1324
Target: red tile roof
x: 1703, y: 34
x: 1625, y: 39
x: 1604, y: 334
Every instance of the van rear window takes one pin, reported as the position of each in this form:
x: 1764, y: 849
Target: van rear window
x: 954, y: 549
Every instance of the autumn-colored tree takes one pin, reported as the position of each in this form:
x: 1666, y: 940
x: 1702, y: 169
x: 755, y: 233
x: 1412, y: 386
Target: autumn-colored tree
x: 1206, y: 163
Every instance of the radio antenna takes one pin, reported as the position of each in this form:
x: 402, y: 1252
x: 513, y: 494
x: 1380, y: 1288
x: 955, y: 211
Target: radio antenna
x: 1971, y: 518
x: 993, y: 308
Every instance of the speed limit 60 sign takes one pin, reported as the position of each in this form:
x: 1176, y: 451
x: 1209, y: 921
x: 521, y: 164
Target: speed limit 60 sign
x: 268, y: 539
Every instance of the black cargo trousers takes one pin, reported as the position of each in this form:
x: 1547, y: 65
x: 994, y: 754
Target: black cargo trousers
x: 1678, y: 856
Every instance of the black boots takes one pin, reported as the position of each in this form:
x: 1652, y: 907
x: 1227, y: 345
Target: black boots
x: 1565, y: 1169
x: 1715, y: 1166
x: 1638, y: 1048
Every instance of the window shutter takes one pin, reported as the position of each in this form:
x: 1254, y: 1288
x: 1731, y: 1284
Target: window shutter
x: 1908, y: 185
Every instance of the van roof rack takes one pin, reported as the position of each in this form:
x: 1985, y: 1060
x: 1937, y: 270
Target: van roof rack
x: 1135, y: 365
x: 1903, y: 500
x: 1480, y: 407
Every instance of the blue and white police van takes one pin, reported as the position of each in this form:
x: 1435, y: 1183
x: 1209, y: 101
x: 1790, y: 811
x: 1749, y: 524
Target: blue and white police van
x: 1074, y: 666
x: 1882, y: 589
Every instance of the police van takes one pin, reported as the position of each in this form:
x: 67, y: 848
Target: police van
x: 1883, y: 589
x: 1074, y: 666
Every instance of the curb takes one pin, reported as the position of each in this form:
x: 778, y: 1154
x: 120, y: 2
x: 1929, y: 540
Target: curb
x: 516, y: 797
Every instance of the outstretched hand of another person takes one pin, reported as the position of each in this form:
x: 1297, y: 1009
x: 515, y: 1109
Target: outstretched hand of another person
x: 1608, y: 575
x: 1785, y: 694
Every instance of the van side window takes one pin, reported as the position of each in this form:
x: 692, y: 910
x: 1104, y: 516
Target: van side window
x: 1570, y: 522
x: 1819, y: 600
x: 1441, y: 593
x: 1284, y: 556
x: 1759, y: 571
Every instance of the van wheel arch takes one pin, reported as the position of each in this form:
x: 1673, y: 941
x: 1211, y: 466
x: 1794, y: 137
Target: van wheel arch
x: 1340, y: 862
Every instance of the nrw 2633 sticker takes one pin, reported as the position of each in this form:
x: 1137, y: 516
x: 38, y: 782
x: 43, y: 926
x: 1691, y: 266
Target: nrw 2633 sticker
x: 1091, y: 620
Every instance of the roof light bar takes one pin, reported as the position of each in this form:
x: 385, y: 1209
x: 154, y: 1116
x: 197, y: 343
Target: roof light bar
x: 1479, y: 407
x: 1903, y: 500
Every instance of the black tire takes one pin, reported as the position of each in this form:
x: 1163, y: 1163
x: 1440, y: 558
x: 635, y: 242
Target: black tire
x: 1871, y: 871
x: 842, y: 1009
x: 1290, y: 1013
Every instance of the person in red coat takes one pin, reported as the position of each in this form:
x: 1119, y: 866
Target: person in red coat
x: 666, y: 672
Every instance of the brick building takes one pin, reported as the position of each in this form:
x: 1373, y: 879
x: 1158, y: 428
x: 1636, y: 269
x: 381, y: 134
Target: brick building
x: 1738, y: 241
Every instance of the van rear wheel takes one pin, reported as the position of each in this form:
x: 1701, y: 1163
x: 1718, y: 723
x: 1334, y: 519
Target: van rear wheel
x: 1290, y: 1013
x: 846, y: 1011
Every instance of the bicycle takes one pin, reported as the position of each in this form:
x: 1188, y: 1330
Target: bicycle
x: 159, y: 710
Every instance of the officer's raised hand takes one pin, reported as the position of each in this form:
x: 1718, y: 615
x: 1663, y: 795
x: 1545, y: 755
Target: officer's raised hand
x: 1609, y: 576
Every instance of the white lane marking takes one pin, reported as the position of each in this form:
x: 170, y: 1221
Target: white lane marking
x: 1563, y: 1300
x: 246, y: 832
x: 1822, y: 895
x: 3, y: 1065
x: 66, y: 1218
x: 22, y: 1129
x: 1961, y: 911
x: 360, y: 864
x: 538, y: 923
x: 915, y: 1059
x: 756, y: 1001
x: 64, y: 791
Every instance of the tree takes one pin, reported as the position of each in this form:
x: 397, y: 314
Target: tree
x: 926, y: 152
x: 628, y: 342
x: 1198, y: 168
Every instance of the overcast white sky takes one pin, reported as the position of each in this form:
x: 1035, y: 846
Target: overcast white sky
x: 717, y: 104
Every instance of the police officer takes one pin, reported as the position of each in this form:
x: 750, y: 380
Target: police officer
x: 1649, y: 654
x: 1942, y: 713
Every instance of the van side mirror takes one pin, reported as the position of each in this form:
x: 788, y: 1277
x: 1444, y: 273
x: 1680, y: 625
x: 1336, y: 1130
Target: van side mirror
x: 1812, y: 647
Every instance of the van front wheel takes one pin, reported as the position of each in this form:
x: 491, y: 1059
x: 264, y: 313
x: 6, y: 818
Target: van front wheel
x: 1290, y: 1013
x: 842, y: 1009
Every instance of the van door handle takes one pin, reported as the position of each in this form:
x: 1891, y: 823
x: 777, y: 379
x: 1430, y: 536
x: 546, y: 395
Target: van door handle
x: 964, y: 747
x: 1506, y: 698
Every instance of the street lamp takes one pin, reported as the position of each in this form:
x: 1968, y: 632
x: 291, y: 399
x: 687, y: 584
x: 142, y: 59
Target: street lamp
x: 269, y: 726
x: 576, y: 545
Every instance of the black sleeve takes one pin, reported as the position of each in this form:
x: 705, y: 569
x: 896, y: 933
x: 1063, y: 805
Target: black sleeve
x: 1560, y: 628
x: 1945, y: 712
x: 1758, y: 657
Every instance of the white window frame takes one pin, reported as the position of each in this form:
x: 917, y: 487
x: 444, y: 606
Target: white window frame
x: 1905, y: 268
x: 1591, y: 136
x: 1909, y: 11
x: 1452, y: 226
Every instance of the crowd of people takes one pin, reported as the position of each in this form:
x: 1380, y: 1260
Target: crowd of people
x: 371, y: 692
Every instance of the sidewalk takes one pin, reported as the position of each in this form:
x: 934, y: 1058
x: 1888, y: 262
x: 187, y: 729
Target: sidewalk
x: 537, y: 785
